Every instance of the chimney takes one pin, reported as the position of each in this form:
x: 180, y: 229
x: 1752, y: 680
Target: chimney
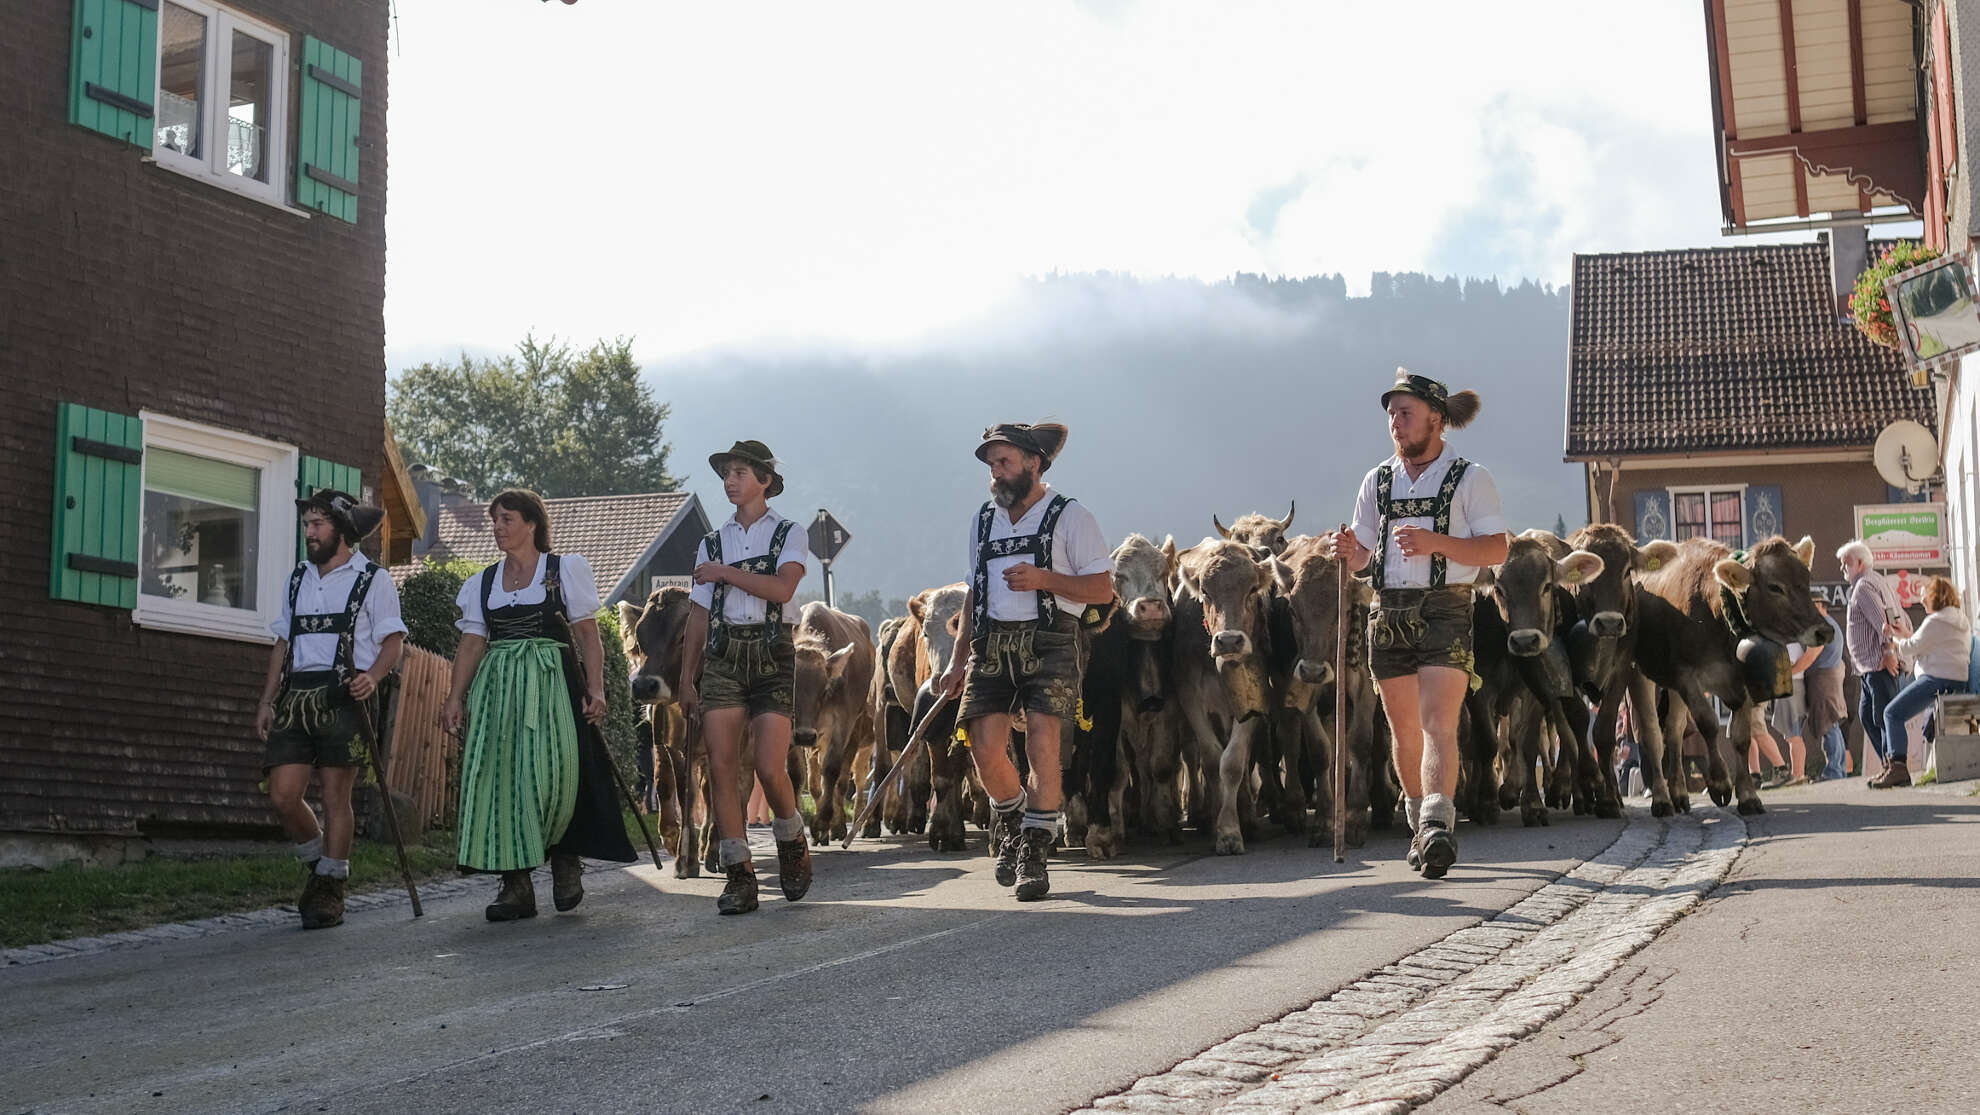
x: 1849, y: 254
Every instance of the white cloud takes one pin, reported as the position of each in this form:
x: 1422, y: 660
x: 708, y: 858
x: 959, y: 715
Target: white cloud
x: 698, y: 174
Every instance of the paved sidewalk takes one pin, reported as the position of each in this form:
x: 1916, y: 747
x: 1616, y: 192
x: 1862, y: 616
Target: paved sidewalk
x: 1834, y: 971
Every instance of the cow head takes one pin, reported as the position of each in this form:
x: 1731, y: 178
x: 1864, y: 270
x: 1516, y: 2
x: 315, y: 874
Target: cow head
x: 1606, y: 601
x: 1772, y: 587
x: 1231, y: 583
x: 1265, y: 535
x: 1142, y: 577
x: 819, y: 686
x: 1309, y: 583
x: 651, y: 636
x: 1536, y: 562
x: 940, y: 613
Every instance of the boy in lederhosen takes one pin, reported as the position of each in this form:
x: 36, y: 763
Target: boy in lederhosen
x: 1037, y: 560
x: 738, y: 668
x: 1426, y: 521
x: 339, y: 635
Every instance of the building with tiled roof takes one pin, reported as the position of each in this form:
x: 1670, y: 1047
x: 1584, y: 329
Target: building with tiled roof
x: 1721, y: 392
x: 630, y: 540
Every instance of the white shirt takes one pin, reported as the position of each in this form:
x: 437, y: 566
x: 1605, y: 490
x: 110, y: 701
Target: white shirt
x: 739, y: 608
x: 1475, y: 512
x: 580, y: 592
x: 1078, y: 549
x: 318, y: 595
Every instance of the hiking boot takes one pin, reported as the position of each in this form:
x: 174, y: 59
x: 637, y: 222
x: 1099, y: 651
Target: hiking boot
x: 1033, y: 845
x: 739, y: 897
x: 1895, y: 774
x: 566, y: 881
x: 794, y: 868
x: 1005, y: 833
x: 516, y: 899
x: 1437, y: 848
x: 322, y: 902
x: 1415, y: 857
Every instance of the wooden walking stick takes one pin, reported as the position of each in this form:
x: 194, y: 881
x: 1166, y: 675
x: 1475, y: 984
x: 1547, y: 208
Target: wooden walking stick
x: 625, y: 795
x: 916, y: 737
x: 370, y: 729
x: 1340, y: 710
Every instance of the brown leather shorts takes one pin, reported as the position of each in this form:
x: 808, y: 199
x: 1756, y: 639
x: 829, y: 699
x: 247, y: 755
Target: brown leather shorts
x: 1018, y: 665
x: 1411, y: 628
x: 755, y: 674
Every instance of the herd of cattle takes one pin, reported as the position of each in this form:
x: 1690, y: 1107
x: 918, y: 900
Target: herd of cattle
x: 1209, y: 691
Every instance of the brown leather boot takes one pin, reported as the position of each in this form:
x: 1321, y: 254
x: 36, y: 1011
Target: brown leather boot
x: 739, y: 897
x: 1895, y: 774
x: 516, y: 899
x: 566, y: 882
x: 1005, y: 830
x: 322, y: 902
x: 1033, y: 845
x: 794, y: 868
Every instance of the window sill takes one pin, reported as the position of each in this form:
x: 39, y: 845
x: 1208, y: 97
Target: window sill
x: 202, y: 619
x: 226, y: 187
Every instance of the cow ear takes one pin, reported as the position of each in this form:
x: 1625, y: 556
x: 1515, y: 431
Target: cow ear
x: 1281, y: 573
x: 836, y: 661
x: 1656, y: 555
x: 1578, y: 567
x: 1805, y: 550
x: 1169, y: 557
x: 918, y: 605
x: 628, y: 617
x: 1733, y: 575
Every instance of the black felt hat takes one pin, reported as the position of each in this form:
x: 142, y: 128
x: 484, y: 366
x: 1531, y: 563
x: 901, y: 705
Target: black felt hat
x: 1042, y: 441
x: 1458, y: 409
x: 756, y: 453
x: 353, y: 519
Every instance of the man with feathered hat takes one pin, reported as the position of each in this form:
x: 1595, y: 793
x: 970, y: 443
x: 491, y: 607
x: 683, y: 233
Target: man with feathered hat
x: 339, y: 635
x: 1425, y: 523
x: 1036, y: 561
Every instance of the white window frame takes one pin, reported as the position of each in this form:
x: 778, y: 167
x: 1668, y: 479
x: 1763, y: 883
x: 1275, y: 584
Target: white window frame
x: 1708, y: 491
x: 217, y: 71
x: 279, y: 465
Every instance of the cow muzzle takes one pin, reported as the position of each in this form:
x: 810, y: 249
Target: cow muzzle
x: 1313, y: 673
x: 1816, y: 636
x: 1527, y: 641
x: 648, y: 689
x: 1608, y: 625
x: 805, y: 737
x: 1230, y: 644
x: 1148, y: 609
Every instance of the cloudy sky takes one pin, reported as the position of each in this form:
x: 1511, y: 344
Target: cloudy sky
x: 869, y: 173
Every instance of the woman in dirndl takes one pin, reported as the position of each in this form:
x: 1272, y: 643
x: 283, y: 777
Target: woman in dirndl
x: 529, y: 683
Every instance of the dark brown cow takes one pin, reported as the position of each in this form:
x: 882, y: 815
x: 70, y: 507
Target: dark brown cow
x: 890, y: 728
x: 1223, y: 680
x: 651, y: 636
x: 1690, y: 644
x: 833, y: 686
x: 1265, y: 535
x: 1305, y: 624
x: 1602, y: 644
x: 1125, y: 693
x: 920, y: 652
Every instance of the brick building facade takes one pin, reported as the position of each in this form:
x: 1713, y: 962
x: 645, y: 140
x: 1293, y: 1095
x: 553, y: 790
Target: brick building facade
x: 192, y: 201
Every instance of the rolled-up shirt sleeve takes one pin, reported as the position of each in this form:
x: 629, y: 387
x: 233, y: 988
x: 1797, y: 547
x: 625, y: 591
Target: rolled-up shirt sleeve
x: 1367, y: 513
x: 1086, y: 547
x: 1482, y: 513
x: 280, y: 628
x: 797, y: 550
x: 468, y: 600
x: 703, y: 595
x: 382, y: 609
x: 580, y: 588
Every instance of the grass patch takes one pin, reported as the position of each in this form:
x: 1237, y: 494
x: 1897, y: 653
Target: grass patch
x: 1929, y: 777
x: 40, y: 906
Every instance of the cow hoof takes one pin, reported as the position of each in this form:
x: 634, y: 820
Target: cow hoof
x: 1508, y: 798
x: 1750, y: 806
x: 1722, y: 794
x: 685, y: 868
x: 1661, y: 808
x: 871, y: 831
x: 1608, y: 810
x: 1533, y: 815
x: 1230, y: 844
x: 1357, y: 830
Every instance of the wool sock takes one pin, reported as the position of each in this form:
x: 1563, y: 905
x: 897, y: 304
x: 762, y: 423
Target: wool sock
x: 732, y: 852
x: 1440, y: 810
x: 1413, y: 809
x: 311, y: 849
x: 1047, y: 819
x: 334, y: 868
x: 1017, y: 802
x: 788, y: 828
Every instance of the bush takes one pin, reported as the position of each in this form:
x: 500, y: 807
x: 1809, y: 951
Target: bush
x: 427, y: 601
x: 1868, y: 304
x: 621, y: 721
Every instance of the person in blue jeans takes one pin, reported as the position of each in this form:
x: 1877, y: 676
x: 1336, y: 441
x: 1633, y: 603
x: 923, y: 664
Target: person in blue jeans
x: 1873, y: 606
x: 1821, y: 672
x: 1942, y: 647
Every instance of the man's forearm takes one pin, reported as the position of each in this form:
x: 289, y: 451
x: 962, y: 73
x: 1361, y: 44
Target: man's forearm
x: 1093, y: 588
x: 1486, y: 549
x: 277, y: 654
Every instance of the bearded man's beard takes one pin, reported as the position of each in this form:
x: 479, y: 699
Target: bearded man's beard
x: 320, y: 554
x: 1413, y: 450
x: 1010, y: 493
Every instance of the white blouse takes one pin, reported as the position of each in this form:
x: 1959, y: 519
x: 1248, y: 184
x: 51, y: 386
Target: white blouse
x: 580, y: 593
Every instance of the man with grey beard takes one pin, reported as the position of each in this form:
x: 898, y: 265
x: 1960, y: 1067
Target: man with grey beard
x: 1426, y: 521
x: 1036, y: 561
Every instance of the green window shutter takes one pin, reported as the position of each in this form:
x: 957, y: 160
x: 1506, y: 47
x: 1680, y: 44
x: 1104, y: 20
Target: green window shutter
x: 113, y: 68
x: 317, y: 474
x: 99, y: 499
x: 326, y: 144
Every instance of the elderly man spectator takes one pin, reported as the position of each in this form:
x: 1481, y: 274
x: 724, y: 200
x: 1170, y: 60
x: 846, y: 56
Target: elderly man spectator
x: 1873, y: 608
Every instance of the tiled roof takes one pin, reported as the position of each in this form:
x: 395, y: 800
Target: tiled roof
x: 1724, y: 349
x: 612, y: 532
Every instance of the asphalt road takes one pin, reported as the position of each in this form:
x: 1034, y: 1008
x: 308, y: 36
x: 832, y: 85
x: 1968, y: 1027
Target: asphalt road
x: 907, y: 982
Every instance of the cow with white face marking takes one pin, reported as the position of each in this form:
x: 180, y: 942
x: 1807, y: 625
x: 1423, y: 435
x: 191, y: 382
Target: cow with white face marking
x: 832, y: 687
x: 1602, y: 643
x: 1265, y: 535
x: 1223, y: 681
x: 1124, y: 691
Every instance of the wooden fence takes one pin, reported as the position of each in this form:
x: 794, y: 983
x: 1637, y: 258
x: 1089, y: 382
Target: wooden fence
x: 422, y: 757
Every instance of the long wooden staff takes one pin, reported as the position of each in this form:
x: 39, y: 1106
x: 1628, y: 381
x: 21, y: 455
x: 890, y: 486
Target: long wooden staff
x: 370, y: 730
x: 917, y: 737
x: 1340, y: 711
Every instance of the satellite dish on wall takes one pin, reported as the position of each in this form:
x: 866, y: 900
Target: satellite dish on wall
x: 1907, y: 455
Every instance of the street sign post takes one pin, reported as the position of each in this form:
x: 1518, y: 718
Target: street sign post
x: 827, y: 537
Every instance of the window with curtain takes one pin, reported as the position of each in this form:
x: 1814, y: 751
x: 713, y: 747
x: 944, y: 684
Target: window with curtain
x: 201, y: 530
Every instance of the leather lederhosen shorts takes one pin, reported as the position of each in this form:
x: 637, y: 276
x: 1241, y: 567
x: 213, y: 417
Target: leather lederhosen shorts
x: 1020, y: 665
x: 316, y: 722
x: 753, y: 673
x: 1411, y: 628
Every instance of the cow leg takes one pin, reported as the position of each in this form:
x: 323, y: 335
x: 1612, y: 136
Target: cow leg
x: 1608, y: 794
x: 1575, y: 760
x: 1159, y: 765
x: 1320, y: 753
x: 1290, y: 748
x: 1746, y: 721
x: 831, y: 774
x: 945, y: 821
x: 1654, y: 745
x: 1205, y: 753
x: 1529, y: 727
x: 1717, y: 778
x: 1233, y: 777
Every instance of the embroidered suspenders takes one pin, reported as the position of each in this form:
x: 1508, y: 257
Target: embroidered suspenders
x: 341, y: 624
x: 1436, y: 508
x: 765, y: 564
x: 1036, y: 546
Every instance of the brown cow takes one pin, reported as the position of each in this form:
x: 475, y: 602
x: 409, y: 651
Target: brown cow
x: 834, y: 680
x: 890, y: 728
x: 651, y: 636
x: 1602, y: 644
x: 1222, y: 675
x: 1265, y: 535
x: 1305, y: 625
x: 1124, y: 689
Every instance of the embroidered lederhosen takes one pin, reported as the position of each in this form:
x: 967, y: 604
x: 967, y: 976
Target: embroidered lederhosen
x: 526, y: 621
x: 316, y: 720
x: 1398, y: 621
x: 763, y: 565
x: 749, y: 666
x: 988, y: 643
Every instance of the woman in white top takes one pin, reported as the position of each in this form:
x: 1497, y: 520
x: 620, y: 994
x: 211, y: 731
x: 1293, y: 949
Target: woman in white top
x: 529, y: 672
x: 1942, y: 646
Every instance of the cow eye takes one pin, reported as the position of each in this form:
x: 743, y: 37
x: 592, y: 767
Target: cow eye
x: 1777, y: 590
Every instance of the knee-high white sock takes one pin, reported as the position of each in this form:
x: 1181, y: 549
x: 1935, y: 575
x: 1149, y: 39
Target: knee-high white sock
x: 1015, y: 803
x: 732, y: 852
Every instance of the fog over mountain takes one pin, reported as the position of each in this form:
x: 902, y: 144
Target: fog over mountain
x: 1184, y: 398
